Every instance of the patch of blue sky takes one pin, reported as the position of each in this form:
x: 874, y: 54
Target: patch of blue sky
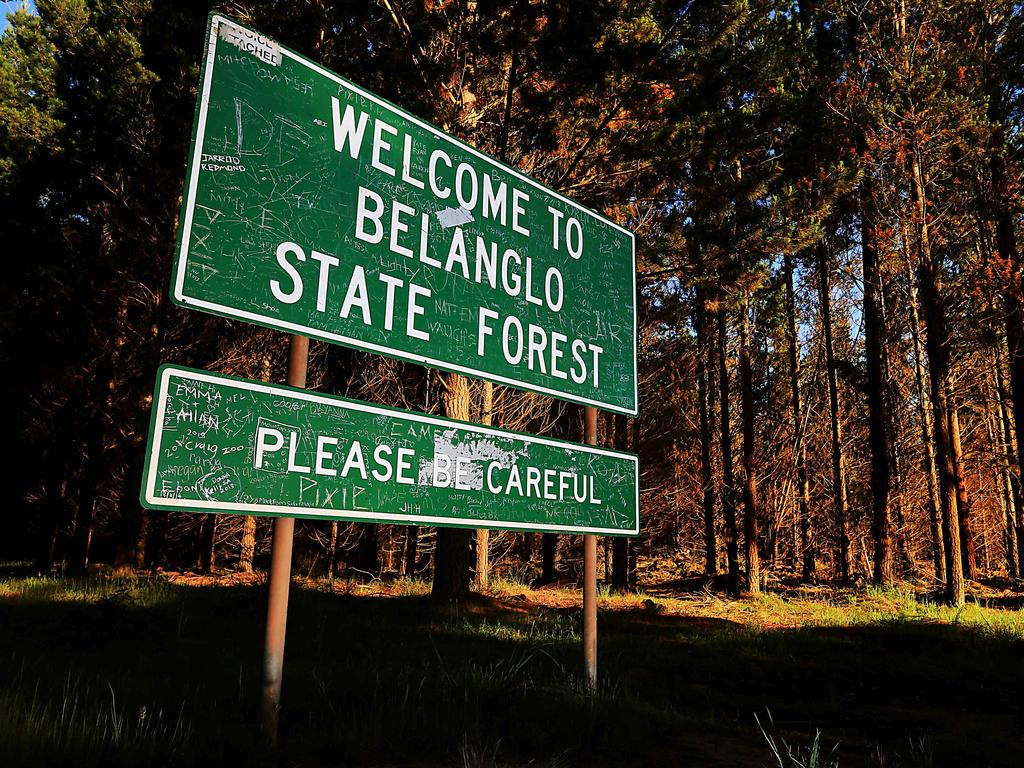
x: 10, y: 6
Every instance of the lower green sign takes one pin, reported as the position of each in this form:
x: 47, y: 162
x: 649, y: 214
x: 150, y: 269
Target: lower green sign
x: 226, y: 445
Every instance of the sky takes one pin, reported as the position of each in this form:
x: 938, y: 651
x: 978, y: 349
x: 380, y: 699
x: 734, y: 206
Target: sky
x: 7, y: 6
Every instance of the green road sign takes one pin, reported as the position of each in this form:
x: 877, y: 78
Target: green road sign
x: 315, y: 207
x: 226, y: 445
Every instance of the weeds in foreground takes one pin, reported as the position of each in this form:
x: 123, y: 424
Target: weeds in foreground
x: 788, y: 755
x: 95, y: 730
x: 920, y: 754
x: 474, y: 755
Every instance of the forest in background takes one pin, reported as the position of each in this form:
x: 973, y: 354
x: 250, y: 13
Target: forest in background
x: 826, y: 198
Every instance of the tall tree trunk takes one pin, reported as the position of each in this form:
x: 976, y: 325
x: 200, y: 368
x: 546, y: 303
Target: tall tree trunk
x: 803, y: 497
x: 54, y: 514
x: 1013, y: 310
x: 935, y: 336
x: 57, y: 460
x: 874, y: 339
x: 1004, y: 203
x: 481, y: 548
x: 331, y: 550
x: 132, y: 546
x: 706, y: 469
x: 963, y: 503
x: 94, y: 468
x: 937, y: 345
x: 1002, y: 486
x: 248, y: 545
x: 387, y: 548
x: 843, y: 558
x: 1011, y: 466
x: 451, y: 557
x: 924, y: 412
x: 412, y: 537
x: 728, y: 494
x: 894, y: 402
x: 58, y: 485
x: 1015, y: 346
x: 81, y: 540
x: 1010, y: 544
x: 906, y: 561
x: 548, y: 558
x: 527, y: 546
x: 750, y: 523
x: 895, y: 426
x: 207, y: 543
x: 562, y: 418
x: 135, y: 526
x: 483, y: 536
x: 364, y: 555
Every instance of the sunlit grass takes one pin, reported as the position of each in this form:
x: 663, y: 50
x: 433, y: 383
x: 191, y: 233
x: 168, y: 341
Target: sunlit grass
x: 891, y: 605
x: 896, y: 604
x: 406, y: 586
x: 548, y: 627
x: 506, y: 587
x: 144, y: 591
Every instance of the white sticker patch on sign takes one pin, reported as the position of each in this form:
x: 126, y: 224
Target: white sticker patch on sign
x: 453, y: 217
x: 259, y: 46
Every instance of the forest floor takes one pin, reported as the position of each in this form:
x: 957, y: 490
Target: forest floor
x: 163, y: 669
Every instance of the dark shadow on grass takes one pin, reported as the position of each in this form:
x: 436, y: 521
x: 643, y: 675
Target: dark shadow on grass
x: 409, y: 681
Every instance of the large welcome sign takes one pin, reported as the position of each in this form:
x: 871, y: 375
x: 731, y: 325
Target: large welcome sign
x: 315, y: 207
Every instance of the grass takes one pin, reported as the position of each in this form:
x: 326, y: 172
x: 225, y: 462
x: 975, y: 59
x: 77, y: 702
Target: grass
x: 143, y: 591
x: 80, y: 726
x: 785, y: 755
x: 157, y: 670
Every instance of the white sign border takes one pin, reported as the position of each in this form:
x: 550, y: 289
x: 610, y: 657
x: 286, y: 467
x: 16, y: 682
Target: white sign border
x: 273, y: 322
x: 153, y: 501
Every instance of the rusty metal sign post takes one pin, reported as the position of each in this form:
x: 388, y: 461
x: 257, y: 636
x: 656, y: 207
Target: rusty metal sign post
x: 280, y: 576
x: 590, y: 574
